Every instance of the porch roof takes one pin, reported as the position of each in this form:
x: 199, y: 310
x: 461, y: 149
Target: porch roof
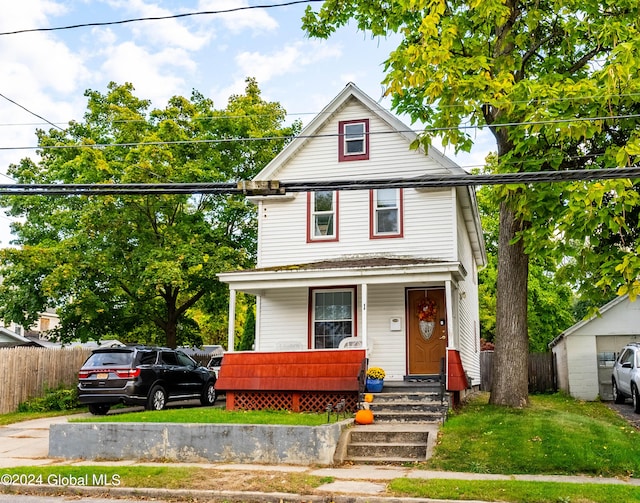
x: 351, y: 270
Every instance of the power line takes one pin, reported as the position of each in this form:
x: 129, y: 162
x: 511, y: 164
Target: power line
x: 29, y: 111
x: 222, y: 116
x: 256, y: 188
x: 159, y: 18
x: 326, y: 135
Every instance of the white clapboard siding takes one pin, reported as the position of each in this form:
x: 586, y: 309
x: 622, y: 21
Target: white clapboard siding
x: 469, y: 330
x: 388, y: 349
x: 283, y: 320
x: 389, y: 154
x: 429, y: 229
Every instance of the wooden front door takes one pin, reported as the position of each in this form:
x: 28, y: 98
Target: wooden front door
x: 424, y: 354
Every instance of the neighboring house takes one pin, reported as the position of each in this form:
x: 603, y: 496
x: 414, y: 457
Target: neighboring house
x: 10, y: 339
x: 47, y: 321
x: 339, y: 269
x: 585, y: 352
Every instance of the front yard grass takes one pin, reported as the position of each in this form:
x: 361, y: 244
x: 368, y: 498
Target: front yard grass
x: 556, y: 434
x: 17, y: 417
x: 214, y: 415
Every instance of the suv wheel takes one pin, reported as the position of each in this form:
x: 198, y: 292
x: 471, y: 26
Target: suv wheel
x: 617, y: 397
x: 209, y: 395
x: 157, y: 398
x: 635, y: 397
x: 99, y: 409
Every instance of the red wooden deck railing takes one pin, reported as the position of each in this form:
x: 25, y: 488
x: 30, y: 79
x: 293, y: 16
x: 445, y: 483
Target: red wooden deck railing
x: 292, y: 380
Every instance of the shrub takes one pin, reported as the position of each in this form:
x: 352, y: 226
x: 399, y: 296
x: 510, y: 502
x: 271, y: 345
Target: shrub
x: 58, y: 399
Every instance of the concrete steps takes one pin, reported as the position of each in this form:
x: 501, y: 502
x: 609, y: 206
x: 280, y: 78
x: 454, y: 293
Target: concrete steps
x: 407, y: 416
x: 370, y: 445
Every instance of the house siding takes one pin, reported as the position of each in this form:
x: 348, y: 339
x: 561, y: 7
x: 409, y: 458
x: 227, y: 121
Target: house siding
x: 428, y: 214
x: 467, y: 302
x: 283, y: 319
x: 389, y: 154
x: 388, y: 348
x: 429, y: 229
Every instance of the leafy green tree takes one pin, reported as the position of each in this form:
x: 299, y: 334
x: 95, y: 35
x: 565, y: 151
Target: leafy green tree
x: 550, y: 299
x: 137, y: 266
x: 531, y: 71
x: 249, y: 331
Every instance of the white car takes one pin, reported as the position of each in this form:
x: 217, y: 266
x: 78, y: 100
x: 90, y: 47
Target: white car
x: 625, y: 378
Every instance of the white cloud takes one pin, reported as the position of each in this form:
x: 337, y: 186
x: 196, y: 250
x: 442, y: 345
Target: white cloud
x: 257, y: 20
x: 28, y: 14
x: 155, y: 76
x: 291, y: 59
x: 171, y: 32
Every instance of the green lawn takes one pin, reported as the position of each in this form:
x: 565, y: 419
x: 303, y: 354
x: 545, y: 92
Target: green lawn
x: 554, y: 435
x: 214, y: 415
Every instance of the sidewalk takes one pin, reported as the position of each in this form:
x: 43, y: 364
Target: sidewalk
x: 26, y: 444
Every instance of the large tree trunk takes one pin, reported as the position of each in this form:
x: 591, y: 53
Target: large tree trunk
x: 510, y: 362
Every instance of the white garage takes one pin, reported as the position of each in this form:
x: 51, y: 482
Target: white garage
x: 584, y: 353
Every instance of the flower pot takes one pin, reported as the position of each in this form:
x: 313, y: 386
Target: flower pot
x: 374, y: 385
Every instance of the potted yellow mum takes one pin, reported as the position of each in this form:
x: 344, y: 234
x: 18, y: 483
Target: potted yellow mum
x: 375, y: 379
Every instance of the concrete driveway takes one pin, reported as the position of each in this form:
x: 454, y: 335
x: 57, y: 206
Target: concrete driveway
x: 27, y: 443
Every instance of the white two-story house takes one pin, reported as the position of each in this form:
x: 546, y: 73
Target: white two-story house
x: 361, y: 267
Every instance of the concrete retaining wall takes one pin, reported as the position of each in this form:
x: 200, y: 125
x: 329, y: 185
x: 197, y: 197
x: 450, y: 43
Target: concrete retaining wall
x: 299, y: 445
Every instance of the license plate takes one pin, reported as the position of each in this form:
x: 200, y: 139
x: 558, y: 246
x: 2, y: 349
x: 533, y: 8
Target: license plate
x: 102, y: 375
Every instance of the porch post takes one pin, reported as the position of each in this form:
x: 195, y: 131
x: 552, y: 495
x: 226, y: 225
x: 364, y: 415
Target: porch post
x: 365, y: 336
x: 452, y: 341
x: 232, y: 320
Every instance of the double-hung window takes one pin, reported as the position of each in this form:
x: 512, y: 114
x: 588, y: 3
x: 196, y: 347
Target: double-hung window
x: 333, y: 316
x: 354, y: 140
x: 386, y: 213
x: 322, y: 215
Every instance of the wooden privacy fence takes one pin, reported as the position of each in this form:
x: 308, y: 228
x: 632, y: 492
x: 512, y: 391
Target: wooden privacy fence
x: 27, y: 372
x: 542, y: 374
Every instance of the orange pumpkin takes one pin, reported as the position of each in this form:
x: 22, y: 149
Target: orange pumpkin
x: 364, y: 416
x: 368, y: 397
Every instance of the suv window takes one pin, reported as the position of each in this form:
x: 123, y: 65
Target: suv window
x: 170, y: 358
x: 147, y: 357
x: 110, y: 358
x: 627, y: 357
x: 186, y: 360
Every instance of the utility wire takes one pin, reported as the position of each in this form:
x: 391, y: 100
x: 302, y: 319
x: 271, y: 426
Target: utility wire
x: 32, y: 113
x: 267, y: 188
x: 539, y: 102
x: 326, y: 135
x: 159, y: 18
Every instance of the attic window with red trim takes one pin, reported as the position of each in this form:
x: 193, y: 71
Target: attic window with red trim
x: 353, y: 142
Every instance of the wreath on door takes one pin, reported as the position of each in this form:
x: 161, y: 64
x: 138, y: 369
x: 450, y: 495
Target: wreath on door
x: 427, y: 312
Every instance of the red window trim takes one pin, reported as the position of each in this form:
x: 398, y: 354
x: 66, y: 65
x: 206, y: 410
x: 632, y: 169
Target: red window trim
x: 310, y: 237
x: 342, y: 157
x: 372, y: 218
x: 314, y: 289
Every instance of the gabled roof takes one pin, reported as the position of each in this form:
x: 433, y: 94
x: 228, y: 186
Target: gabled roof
x: 602, y: 311
x: 466, y: 195
x: 9, y: 339
x: 350, y: 91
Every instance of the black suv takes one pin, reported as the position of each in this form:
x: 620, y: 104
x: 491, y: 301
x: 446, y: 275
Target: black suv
x: 141, y: 375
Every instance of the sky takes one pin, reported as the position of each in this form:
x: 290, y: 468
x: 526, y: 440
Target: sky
x: 47, y: 72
